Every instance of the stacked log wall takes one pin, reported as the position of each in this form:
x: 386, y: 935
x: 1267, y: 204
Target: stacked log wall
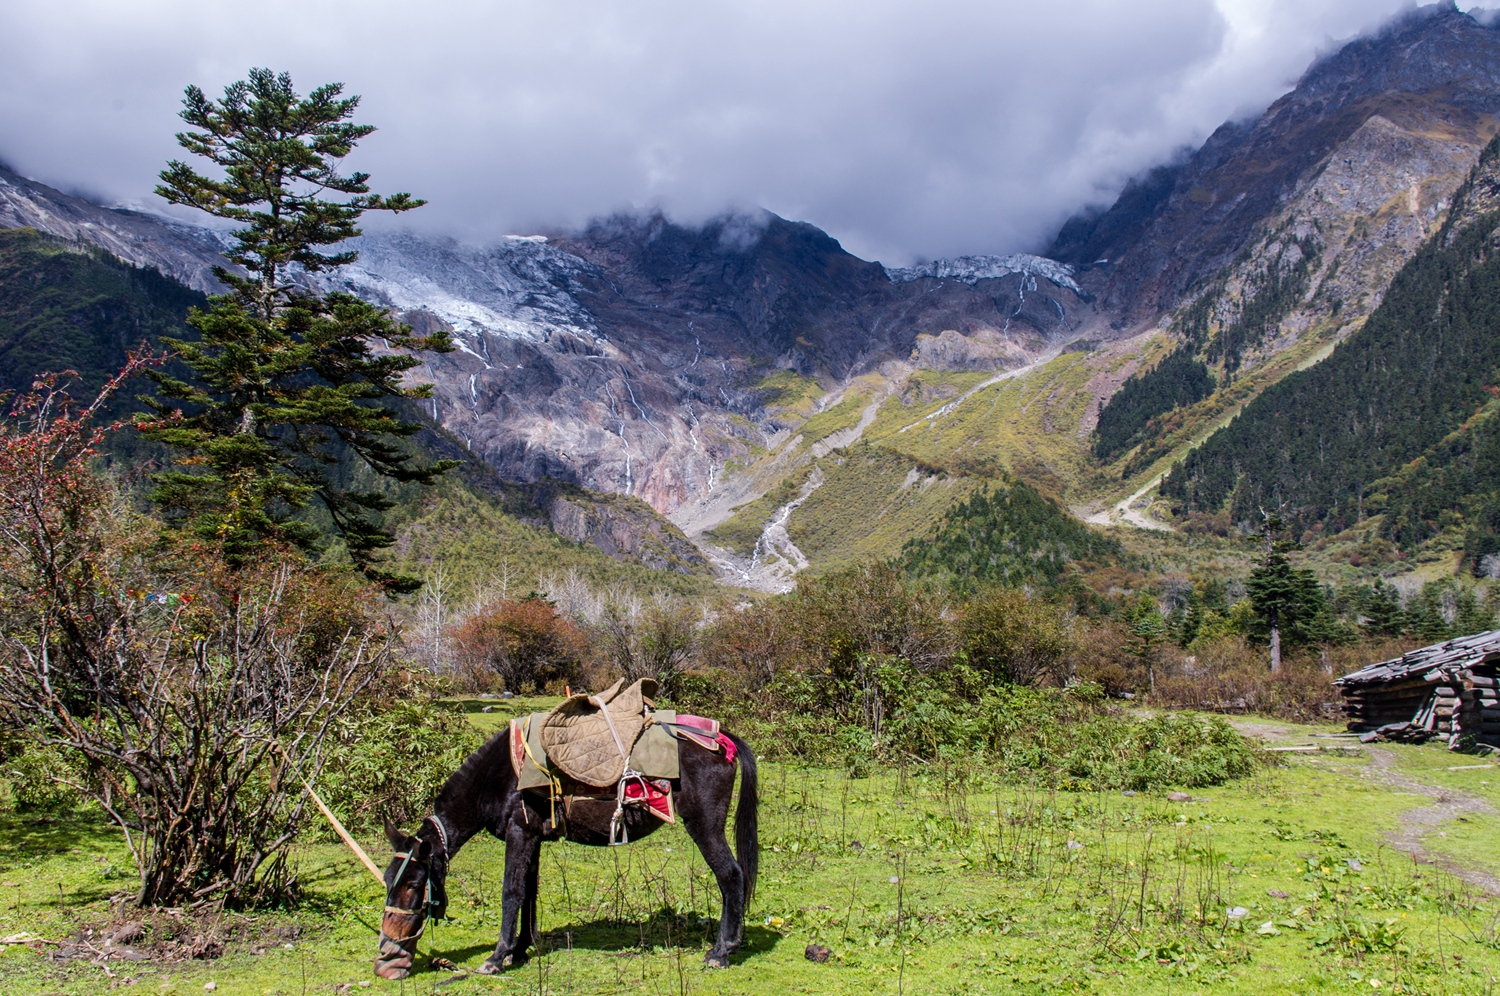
x: 1371, y: 706
x: 1480, y: 715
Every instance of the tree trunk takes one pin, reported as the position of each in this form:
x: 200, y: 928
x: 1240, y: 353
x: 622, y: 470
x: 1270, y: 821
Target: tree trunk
x: 1275, y: 646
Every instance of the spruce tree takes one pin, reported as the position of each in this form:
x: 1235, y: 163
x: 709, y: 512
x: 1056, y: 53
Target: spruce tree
x: 287, y: 385
x: 1287, y: 600
x: 1381, y: 609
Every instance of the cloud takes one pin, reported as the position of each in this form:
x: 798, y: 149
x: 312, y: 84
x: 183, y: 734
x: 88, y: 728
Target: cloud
x: 907, y: 130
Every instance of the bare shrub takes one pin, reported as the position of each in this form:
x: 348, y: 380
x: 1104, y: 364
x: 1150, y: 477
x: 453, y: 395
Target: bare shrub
x: 657, y: 641
x: 1010, y: 636
x: 751, y: 643
x: 1225, y: 675
x: 183, y: 708
x: 1101, y: 656
x: 870, y: 610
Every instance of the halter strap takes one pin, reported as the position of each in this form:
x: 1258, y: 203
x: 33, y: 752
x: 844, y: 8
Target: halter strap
x: 442, y: 831
x: 428, y: 909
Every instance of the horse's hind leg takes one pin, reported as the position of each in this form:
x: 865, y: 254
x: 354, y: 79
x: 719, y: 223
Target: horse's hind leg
x: 732, y: 888
x: 521, y: 847
x: 707, y: 830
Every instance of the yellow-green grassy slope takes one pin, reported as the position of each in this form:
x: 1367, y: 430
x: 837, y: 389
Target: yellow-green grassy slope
x: 476, y: 538
x: 872, y: 501
x: 1034, y: 425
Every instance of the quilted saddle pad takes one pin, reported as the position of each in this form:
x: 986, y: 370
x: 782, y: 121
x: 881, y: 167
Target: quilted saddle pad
x: 592, y: 745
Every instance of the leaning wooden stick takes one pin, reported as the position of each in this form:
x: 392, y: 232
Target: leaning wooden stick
x: 338, y: 828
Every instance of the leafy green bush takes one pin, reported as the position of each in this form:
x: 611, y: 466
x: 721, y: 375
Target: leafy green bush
x: 1069, y: 736
x: 1178, y: 749
x: 390, y: 761
x: 33, y: 771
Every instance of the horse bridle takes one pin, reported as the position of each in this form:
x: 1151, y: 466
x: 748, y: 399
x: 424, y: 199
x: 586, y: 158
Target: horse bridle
x: 430, y: 909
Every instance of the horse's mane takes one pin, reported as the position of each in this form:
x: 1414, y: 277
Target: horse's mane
x: 478, y: 764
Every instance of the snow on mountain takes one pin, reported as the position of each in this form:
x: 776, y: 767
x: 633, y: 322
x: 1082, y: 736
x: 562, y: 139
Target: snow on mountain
x: 972, y: 269
x: 517, y: 288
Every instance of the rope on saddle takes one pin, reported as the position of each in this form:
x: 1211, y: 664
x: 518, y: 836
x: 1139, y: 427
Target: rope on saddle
x: 618, y: 834
x: 554, y: 787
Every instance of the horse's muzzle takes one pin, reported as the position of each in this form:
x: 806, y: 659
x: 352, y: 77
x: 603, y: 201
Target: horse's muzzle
x: 394, y: 961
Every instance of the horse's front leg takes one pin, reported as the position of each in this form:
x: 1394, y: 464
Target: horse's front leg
x: 530, y: 930
x: 521, y: 847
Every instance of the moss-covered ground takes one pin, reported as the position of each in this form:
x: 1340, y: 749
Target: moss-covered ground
x: 926, y: 880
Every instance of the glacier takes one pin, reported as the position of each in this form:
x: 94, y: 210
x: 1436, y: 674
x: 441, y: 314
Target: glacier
x: 972, y: 269
x: 517, y: 288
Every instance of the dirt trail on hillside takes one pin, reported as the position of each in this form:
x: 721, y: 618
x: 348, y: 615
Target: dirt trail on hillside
x: 1416, y: 824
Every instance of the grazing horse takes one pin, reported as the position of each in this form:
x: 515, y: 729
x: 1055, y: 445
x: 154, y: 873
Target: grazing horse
x: 482, y: 795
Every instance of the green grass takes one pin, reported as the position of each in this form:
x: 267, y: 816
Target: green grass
x: 844, y: 415
x: 1027, y: 425
x: 989, y: 898
x: 476, y: 538
x: 790, y: 390
x: 872, y: 501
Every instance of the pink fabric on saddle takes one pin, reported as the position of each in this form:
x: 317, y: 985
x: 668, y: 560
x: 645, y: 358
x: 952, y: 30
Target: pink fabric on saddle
x: 729, y: 749
x: 709, y: 726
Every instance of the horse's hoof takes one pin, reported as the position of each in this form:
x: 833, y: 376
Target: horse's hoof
x: 392, y: 972
x: 715, y: 961
x: 494, y: 966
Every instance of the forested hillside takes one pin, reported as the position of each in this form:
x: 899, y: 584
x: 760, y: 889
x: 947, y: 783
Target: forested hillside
x: 72, y: 307
x: 1006, y: 534
x: 1323, y: 440
x: 1177, y: 381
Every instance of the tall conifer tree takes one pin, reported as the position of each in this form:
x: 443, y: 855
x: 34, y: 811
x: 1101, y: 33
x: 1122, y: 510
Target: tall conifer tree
x: 287, y: 384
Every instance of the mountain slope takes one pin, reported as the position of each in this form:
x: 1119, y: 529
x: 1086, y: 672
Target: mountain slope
x: 1434, y: 73
x: 1276, y: 240
x: 66, y: 306
x: 72, y: 306
x: 1322, y: 440
x: 721, y: 372
x: 184, y: 252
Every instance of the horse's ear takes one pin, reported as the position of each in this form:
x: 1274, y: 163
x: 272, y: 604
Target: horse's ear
x: 424, y: 849
x: 395, y: 836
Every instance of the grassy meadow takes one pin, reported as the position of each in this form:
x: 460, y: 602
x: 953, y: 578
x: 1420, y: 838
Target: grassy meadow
x: 924, y: 879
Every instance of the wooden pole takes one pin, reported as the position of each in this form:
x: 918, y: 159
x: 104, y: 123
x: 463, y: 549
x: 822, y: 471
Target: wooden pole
x: 338, y: 828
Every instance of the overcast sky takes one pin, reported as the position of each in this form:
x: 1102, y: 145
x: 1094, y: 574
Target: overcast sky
x: 907, y: 130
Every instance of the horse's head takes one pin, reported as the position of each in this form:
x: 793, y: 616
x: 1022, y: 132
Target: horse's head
x: 414, y: 892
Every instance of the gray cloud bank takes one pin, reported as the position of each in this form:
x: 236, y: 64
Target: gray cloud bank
x: 907, y: 130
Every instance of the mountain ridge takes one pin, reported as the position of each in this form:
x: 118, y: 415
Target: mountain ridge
x: 703, y: 368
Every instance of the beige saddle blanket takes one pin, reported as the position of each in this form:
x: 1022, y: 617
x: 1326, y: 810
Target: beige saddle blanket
x: 590, y: 737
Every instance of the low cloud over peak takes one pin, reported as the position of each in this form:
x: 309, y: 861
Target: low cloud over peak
x: 907, y: 130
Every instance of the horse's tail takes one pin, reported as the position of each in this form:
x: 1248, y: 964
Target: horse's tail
x: 746, y: 820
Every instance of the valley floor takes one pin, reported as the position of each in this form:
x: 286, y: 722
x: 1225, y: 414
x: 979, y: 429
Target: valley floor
x: 924, y: 880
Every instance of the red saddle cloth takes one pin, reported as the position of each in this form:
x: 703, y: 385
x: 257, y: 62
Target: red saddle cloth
x: 705, y: 733
x: 655, y: 793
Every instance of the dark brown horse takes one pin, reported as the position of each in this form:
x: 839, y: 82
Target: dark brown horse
x: 482, y: 795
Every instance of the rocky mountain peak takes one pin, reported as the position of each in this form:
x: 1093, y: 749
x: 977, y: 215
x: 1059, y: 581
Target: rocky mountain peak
x: 1433, y: 72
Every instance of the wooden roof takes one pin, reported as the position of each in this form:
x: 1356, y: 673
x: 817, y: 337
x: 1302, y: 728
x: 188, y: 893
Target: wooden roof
x: 1447, y: 657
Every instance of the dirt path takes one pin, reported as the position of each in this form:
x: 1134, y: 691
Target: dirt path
x: 1417, y: 823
